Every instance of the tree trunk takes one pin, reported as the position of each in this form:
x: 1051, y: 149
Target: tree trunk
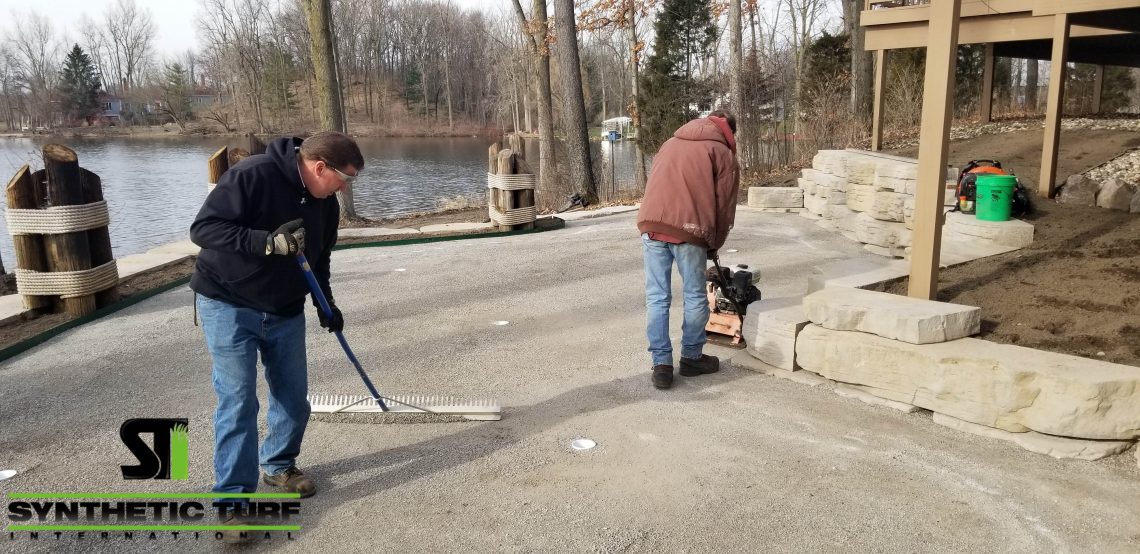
x: 862, y: 66
x: 1031, y: 73
x: 541, y: 53
x: 577, y: 135
x: 735, y: 63
x: 319, y: 16
x: 639, y: 170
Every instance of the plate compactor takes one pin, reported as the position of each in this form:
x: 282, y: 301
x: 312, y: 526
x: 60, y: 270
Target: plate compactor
x: 730, y: 292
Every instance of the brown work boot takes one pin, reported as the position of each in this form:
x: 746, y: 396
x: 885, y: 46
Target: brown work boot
x: 662, y: 376
x: 292, y: 480
x: 707, y: 364
x: 234, y: 536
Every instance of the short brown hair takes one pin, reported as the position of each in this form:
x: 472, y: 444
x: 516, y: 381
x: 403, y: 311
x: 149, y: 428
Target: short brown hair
x: 727, y: 117
x: 333, y: 148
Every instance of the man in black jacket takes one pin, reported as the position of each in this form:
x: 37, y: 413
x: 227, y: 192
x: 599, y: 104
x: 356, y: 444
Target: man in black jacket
x: 251, y: 298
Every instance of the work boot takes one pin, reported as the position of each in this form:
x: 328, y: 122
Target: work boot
x: 662, y: 376
x: 234, y: 536
x: 707, y: 364
x: 292, y: 480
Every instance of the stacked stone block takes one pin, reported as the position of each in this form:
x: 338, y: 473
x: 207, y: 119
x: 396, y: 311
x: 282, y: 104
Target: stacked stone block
x: 866, y: 196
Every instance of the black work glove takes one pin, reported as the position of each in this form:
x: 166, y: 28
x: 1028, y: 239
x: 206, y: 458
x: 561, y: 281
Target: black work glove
x: 711, y: 254
x: 287, y: 240
x: 334, y: 324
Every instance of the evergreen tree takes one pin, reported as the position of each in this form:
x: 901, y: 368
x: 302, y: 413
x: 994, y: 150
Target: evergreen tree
x: 669, y: 93
x: 176, y: 91
x: 79, y: 86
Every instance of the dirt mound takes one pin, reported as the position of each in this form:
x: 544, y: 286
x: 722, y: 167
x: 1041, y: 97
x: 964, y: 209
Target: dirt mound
x: 1076, y: 289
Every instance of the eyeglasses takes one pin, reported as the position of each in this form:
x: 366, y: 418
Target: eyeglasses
x: 344, y: 177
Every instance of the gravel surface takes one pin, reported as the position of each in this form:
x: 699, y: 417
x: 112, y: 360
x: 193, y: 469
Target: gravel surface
x: 734, y: 461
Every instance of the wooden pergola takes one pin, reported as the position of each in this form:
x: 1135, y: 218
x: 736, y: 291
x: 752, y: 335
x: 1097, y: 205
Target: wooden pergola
x: 1100, y: 32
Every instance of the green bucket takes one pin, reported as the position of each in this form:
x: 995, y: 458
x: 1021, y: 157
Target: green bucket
x: 994, y: 197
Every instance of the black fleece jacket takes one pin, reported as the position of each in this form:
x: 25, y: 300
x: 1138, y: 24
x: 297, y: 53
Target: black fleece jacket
x: 252, y: 199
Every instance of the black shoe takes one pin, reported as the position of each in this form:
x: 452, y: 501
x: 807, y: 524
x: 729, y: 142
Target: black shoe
x: 233, y: 536
x: 707, y: 364
x: 662, y: 376
x: 292, y: 480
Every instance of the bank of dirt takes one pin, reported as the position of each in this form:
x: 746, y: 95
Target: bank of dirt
x: 1076, y: 289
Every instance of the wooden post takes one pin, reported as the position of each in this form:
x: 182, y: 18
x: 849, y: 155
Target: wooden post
x: 521, y: 198
x: 988, y: 85
x: 99, y: 239
x: 1046, y: 186
x: 880, y: 92
x: 508, y: 165
x: 934, y: 146
x: 29, y: 248
x: 493, y: 158
x: 1098, y: 89
x: 218, y: 164
x: 255, y: 144
x: 67, y: 251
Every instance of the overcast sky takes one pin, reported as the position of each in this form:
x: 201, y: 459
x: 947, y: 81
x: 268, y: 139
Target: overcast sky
x: 175, y: 19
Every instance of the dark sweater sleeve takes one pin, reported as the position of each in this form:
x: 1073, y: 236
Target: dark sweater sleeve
x: 221, y: 223
x: 323, y: 267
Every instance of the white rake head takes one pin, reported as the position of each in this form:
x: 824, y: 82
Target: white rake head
x: 475, y: 410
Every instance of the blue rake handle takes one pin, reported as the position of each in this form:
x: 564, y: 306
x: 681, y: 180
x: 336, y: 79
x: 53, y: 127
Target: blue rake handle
x: 320, y: 296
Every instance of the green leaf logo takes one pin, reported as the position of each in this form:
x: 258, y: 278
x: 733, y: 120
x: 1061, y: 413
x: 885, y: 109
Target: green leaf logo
x: 179, y: 453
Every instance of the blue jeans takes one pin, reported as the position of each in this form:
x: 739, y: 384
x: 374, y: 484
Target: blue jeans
x: 235, y: 336
x: 659, y: 257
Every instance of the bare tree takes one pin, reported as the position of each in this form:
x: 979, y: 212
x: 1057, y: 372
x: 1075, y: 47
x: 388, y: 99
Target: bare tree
x: 735, y: 61
x: 804, y: 16
x: 539, y: 47
x: 129, y: 36
x: 35, y: 52
x: 862, y: 65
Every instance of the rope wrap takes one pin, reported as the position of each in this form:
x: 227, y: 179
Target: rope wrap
x: 515, y: 216
x: 67, y: 284
x: 57, y: 220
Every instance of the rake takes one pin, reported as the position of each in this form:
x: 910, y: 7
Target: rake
x: 387, y: 409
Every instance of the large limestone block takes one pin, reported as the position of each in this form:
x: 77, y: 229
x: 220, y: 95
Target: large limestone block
x: 770, y: 329
x: 835, y: 182
x: 1079, y: 190
x: 1057, y: 447
x: 1115, y: 195
x: 843, y: 216
x: 897, y: 169
x: 860, y: 197
x: 775, y: 197
x: 1014, y: 232
x: 886, y: 234
x: 888, y: 206
x: 908, y: 213
x: 816, y: 205
x: 837, y: 198
x: 861, y: 169
x: 807, y: 185
x: 831, y: 161
x: 997, y: 385
x: 893, y: 184
x: 891, y: 316
x: 849, y: 391
x: 857, y: 273
x: 887, y: 252
x: 822, y: 191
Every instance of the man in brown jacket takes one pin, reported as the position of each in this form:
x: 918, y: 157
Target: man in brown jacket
x: 689, y: 206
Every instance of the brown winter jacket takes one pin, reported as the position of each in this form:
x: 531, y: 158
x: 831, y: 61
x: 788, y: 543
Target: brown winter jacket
x: 692, y: 190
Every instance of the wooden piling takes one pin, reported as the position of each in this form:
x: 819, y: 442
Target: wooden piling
x: 67, y: 251
x: 521, y: 198
x: 218, y: 164
x: 255, y: 144
x: 508, y: 165
x: 98, y: 239
x: 29, y: 248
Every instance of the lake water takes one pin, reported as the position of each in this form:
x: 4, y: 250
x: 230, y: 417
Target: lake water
x: 154, y: 187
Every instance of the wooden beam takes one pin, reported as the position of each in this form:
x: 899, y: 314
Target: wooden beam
x: 880, y: 93
x: 1098, y: 89
x: 978, y: 30
x: 1047, y: 186
x: 934, y: 146
x: 1052, y: 7
x: 970, y: 8
x: 988, y: 85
